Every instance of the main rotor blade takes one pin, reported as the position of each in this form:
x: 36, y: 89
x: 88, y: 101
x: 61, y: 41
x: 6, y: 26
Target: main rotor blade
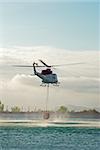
x: 59, y: 65
x: 67, y: 64
x: 25, y: 66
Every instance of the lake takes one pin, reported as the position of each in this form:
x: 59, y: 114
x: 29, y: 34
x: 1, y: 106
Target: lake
x: 44, y: 135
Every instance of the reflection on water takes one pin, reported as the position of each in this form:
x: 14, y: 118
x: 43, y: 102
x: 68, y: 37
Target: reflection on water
x: 56, y: 119
x: 51, y: 123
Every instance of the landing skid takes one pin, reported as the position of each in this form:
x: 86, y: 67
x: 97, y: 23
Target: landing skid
x: 55, y: 84
x: 47, y: 84
x: 44, y: 85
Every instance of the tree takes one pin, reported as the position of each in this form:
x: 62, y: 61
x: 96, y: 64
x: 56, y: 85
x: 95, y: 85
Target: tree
x: 1, y: 107
x: 63, y: 109
x: 15, y: 109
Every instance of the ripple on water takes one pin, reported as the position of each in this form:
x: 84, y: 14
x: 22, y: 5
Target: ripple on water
x: 49, y: 138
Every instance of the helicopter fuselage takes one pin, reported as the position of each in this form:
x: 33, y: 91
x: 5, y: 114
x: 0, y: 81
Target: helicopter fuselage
x: 49, y: 78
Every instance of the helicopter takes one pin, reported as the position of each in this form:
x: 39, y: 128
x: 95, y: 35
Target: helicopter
x: 47, y: 75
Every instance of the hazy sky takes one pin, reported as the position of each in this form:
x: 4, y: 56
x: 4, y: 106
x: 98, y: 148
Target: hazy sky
x: 57, y: 32
x: 71, y: 25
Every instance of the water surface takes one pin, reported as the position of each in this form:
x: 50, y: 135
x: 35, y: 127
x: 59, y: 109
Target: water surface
x: 22, y: 136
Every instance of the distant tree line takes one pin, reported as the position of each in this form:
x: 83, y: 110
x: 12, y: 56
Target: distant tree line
x: 15, y: 109
x: 61, y: 109
x: 1, y: 107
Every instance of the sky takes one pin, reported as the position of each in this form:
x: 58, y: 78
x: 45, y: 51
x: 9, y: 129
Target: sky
x: 71, y: 25
x: 57, y: 32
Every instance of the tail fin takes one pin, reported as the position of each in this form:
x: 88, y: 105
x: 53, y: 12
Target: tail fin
x: 34, y: 68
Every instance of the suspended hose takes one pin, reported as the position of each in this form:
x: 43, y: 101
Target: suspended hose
x: 47, y: 97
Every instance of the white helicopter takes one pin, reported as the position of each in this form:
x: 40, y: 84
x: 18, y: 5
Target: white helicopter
x: 47, y: 75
